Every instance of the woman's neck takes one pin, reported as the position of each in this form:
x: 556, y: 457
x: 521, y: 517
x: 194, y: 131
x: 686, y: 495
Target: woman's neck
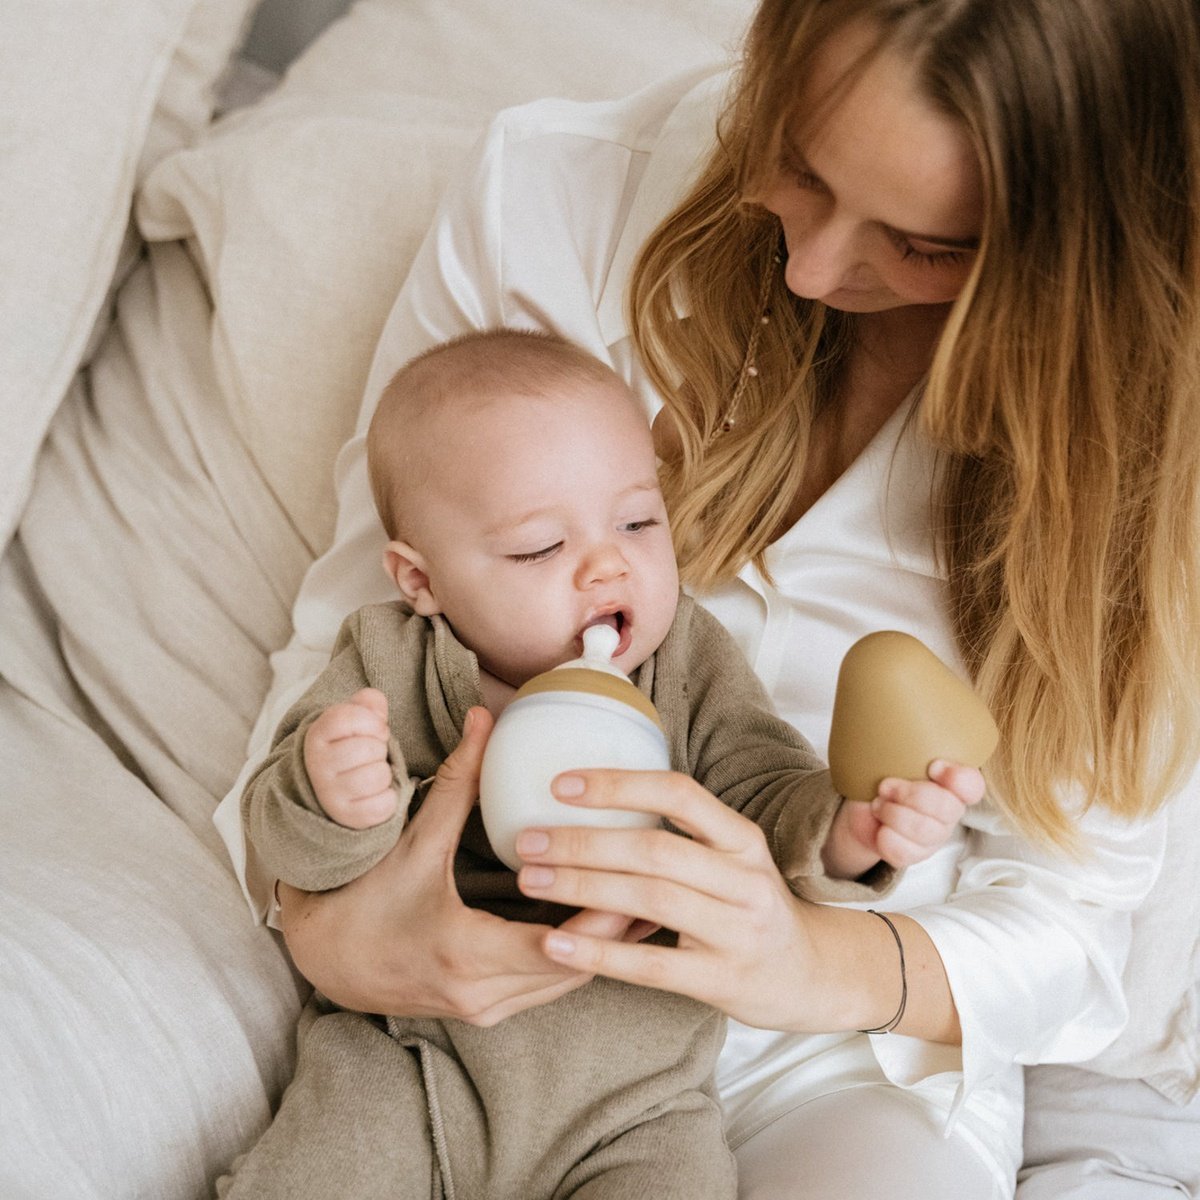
x: 890, y: 355
x: 893, y: 350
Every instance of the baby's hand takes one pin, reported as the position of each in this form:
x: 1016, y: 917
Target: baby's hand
x: 907, y: 821
x: 345, y: 754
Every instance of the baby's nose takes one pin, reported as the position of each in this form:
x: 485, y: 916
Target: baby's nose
x: 603, y: 561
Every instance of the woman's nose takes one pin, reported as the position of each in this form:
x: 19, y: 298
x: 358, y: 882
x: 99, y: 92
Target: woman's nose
x: 821, y: 257
x: 601, y: 563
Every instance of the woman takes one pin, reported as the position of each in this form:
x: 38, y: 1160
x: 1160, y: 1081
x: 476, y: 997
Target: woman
x: 955, y: 405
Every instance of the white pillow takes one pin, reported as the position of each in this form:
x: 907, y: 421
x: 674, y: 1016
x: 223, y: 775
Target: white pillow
x: 92, y: 95
x: 306, y: 209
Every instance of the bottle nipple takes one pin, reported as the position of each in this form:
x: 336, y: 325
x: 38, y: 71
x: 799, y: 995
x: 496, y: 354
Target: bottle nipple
x: 599, y: 643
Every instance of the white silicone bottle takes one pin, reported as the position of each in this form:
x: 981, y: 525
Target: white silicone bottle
x: 582, y: 714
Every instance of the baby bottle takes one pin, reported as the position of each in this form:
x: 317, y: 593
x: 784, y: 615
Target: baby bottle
x: 582, y: 714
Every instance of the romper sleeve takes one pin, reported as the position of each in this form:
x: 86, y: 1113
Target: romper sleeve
x: 284, y: 821
x: 746, y: 755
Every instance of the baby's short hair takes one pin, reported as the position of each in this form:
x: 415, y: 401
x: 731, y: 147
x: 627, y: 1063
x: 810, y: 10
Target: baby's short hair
x: 473, y: 367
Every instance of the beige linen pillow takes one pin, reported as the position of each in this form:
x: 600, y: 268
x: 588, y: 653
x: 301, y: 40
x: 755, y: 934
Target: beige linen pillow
x: 92, y: 95
x: 306, y: 209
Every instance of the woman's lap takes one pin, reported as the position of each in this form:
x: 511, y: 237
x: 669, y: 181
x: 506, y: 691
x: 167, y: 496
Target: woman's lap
x: 1092, y: 1137
x: 861, y: 1142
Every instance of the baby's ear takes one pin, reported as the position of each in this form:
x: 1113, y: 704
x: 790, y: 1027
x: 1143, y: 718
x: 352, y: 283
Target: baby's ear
x: 406, y: 567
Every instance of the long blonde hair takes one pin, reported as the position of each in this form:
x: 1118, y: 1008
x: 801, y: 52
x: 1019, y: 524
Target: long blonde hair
x: 1062, y: 394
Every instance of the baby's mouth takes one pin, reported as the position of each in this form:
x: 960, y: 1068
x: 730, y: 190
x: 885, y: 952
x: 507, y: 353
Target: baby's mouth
x: 619, y: 620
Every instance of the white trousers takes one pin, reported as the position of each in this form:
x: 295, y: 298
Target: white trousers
x: 860, y: 1144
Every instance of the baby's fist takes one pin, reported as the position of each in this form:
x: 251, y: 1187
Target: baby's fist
x: 918, y: 816
x: 346, y: 756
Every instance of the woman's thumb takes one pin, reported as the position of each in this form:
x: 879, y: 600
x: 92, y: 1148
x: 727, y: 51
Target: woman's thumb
x: 455, y: 788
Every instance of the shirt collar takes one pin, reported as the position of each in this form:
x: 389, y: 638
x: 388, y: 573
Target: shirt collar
x: 678, y: 154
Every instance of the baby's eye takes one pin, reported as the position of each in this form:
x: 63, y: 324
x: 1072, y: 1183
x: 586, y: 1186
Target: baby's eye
x: 535, y: 555
x: 638, y: 526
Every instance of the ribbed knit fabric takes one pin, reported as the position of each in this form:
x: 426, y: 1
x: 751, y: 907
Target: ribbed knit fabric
x: 719, y: 725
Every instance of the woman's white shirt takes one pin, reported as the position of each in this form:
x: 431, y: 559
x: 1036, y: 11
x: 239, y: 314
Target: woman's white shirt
x: 542, y: 233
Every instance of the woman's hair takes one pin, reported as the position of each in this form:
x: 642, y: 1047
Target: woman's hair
x: 1062, y: 395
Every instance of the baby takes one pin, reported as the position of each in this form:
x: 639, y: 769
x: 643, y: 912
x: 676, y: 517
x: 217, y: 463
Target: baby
x: 516, y: 480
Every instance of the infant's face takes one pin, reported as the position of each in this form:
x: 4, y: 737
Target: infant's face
x: 545, y: 518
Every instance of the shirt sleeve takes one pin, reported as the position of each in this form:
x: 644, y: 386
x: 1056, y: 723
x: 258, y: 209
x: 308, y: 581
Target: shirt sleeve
x: 1034, y: 942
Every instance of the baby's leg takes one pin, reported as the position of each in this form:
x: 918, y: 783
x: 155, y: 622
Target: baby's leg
x: 353, y: 1122
x: 679, y: 1154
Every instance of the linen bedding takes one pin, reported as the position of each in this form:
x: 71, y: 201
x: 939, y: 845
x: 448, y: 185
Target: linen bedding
x: 188, y: 313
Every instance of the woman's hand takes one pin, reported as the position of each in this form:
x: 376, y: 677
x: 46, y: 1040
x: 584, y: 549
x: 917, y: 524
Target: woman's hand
x: 399, y: 939
x: 743, y: 941
x: 746, y: 944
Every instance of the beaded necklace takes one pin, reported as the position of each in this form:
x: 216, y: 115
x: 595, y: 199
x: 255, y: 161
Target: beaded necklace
x: 749, y: 367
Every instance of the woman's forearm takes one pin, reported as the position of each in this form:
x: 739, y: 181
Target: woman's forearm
x: 745, y: 943
x: 862, y: 983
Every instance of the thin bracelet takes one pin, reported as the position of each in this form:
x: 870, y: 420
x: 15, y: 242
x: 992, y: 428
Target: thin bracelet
x: 903, y: 978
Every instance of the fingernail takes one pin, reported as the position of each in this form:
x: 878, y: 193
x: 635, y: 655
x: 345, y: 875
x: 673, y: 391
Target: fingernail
x: 568, y: 785
x: 532, y: 841
x: 936, y: 767
x: 559, y: 945
x: 470, y: 720
x: 537, y: 877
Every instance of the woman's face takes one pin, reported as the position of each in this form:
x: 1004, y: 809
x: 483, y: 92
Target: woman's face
x: 882, y: 203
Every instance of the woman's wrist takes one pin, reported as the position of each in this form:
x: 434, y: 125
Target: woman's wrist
x: 858, y: 982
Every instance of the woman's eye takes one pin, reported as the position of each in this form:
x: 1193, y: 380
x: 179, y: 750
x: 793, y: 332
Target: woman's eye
x: 927, y: 258
x: 938, y: 258
x: 535, y: 555
x: 794, y: 168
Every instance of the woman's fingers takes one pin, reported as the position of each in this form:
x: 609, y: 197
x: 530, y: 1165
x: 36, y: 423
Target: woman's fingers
x: 661, y: 901
x: 678, y: 798
x: 500, y: 969
x: 657, y: 852
x: 594, y: 923
x: 705, y: 886
x: 664, y: 967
